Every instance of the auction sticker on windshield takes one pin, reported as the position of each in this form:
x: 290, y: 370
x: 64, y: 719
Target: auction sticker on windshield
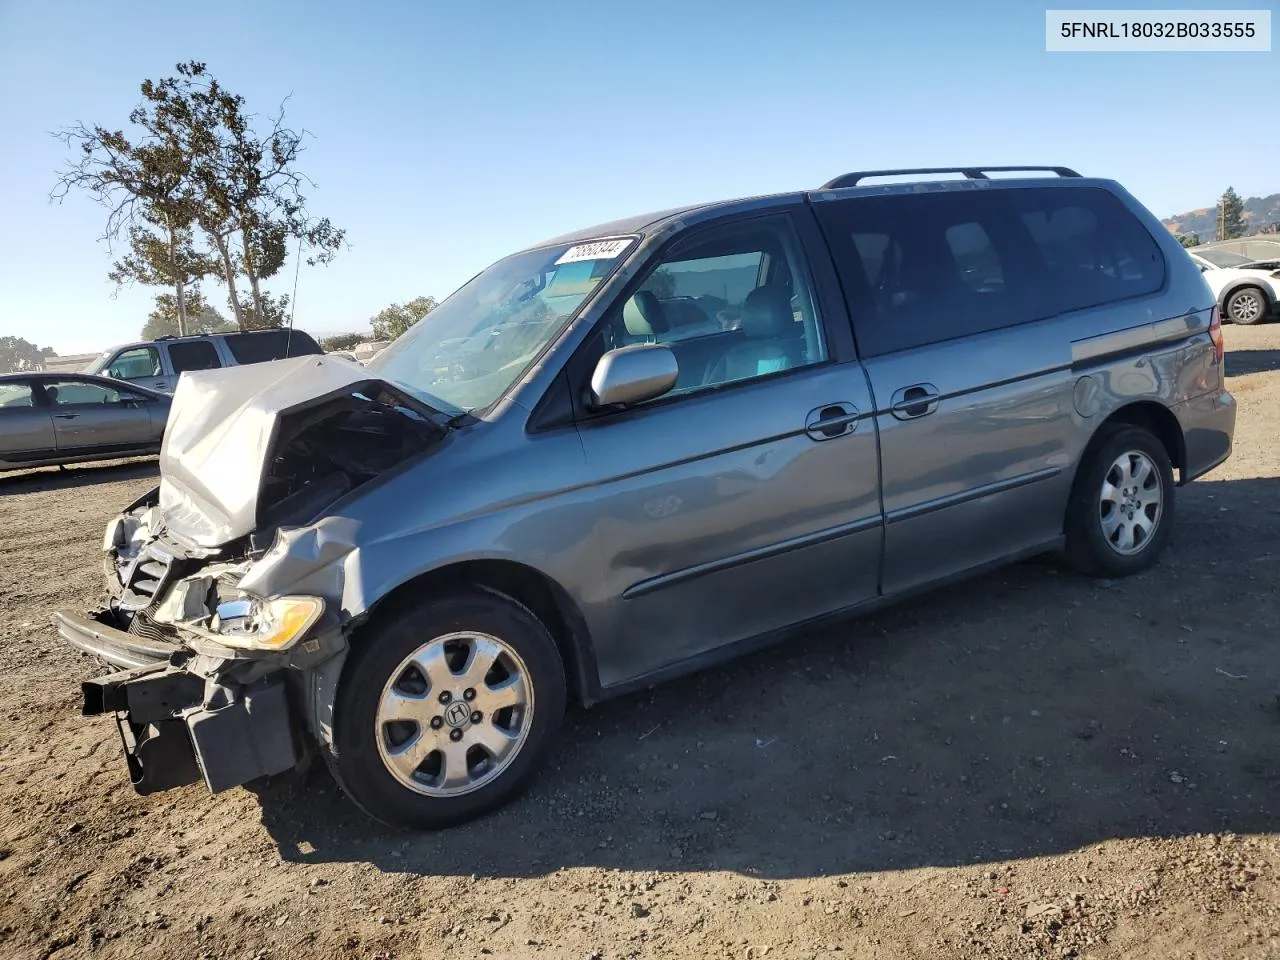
x: 595, y: 250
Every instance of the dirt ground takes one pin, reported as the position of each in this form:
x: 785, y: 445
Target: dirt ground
x: 1031, y: 764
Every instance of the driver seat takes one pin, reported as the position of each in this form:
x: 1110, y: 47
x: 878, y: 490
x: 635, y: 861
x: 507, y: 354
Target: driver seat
x: 643, y: 318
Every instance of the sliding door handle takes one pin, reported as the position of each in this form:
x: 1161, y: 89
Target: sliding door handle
x: 917, y: 400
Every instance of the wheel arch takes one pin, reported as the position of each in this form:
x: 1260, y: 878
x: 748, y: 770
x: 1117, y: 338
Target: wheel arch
x: 1268, y: 297
x: 1152, y: 416
x: 529, y: 587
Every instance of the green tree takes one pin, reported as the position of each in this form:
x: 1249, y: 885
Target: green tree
x: 1188, y: 239
x: 162, y: 321
x: 144, y: 182
x: 341, y: 341
x: 250, y: 200
x: 194, y: 167
x: 267, y: 313
x: 1231, y: 222
x: 156, y: 259
x: 394, y: 320
x: 17, y: 354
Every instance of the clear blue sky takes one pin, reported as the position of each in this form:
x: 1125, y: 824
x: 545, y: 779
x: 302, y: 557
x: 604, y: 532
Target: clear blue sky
x: 448, y: 134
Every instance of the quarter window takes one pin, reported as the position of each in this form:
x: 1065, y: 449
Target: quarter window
x: 1092, y: 250
x: 270, y: 345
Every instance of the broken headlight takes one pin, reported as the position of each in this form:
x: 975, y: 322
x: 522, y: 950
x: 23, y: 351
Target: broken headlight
x: 249, y: 623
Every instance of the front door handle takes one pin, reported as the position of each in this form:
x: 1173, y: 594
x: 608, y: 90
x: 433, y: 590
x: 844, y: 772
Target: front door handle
x: 833, y: 420
x: 65, y: 416
x: 917, y: 400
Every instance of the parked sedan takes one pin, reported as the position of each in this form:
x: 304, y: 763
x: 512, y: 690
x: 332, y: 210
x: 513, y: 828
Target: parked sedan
x: 57, y: 418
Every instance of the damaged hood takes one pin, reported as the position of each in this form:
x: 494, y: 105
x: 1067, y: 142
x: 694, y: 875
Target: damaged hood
x: 217, y: 444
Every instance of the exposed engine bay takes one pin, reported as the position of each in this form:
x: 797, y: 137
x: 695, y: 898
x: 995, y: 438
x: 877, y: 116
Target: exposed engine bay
x: 157, y: 580
x: 219, y: 681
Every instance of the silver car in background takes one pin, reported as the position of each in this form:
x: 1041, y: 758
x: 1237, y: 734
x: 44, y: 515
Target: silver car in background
x: 635, y: 450
x: 49, y: 419
x: 157, y: 364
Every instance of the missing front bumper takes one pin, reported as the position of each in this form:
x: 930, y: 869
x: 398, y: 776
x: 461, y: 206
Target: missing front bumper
x: 176, y: 728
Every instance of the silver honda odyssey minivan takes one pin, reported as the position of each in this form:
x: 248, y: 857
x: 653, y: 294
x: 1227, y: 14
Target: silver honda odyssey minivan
x: 636, y: 450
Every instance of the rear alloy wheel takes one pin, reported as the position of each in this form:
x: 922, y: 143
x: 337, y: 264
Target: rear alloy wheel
x: 1121, y: 508
x: 1130, y: 503
x: 1247, y: 305
x: 445, y: 710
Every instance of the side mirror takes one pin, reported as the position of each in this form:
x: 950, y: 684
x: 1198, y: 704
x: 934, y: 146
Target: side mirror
x: 634, y: 374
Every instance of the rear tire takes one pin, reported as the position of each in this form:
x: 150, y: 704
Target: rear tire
x: 1246, y: 306
x: 446, y: 710
x: 1122, y: 504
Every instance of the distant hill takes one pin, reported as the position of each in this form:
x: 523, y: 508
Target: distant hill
x: 1259, y: 212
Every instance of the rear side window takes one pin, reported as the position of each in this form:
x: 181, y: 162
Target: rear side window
x: 270, y: 345
x: 925, y: 268
x: 193, y: 355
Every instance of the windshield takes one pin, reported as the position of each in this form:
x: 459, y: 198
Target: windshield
x: 467, y: 352
x: 98, y: 364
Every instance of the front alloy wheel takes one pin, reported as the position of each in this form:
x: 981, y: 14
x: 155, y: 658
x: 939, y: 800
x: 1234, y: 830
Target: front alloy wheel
x: 454, y: 714
x: 445, y: 709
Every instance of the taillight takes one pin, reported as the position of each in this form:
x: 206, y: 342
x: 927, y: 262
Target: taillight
x: 1215, y: 334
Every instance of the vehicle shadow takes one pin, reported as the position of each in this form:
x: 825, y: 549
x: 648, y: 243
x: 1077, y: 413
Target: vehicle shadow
x: 1240, y: 363
x: 68, y: 478
x: 1025, y: 713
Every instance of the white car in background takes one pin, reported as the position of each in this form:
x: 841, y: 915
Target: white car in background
x: 1248, y: 293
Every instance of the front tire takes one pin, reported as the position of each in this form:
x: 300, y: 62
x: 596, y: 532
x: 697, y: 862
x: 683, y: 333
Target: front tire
x: 1121, y: 509
x: 446, y: 710
x: 1245, y: 306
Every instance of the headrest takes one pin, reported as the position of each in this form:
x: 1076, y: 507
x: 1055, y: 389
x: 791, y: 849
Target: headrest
x: 767, y: 313
x: 642, y: 315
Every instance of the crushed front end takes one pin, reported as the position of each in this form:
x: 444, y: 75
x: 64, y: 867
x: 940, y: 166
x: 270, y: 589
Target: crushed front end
x: 213, y: 683
x: 224, y: 584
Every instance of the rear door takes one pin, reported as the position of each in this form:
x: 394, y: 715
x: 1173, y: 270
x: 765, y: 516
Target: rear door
x: 747, y: 499
x: 974, y: 411
x: 26, y: 429
x: 91, y: 416
x: 965, y: 305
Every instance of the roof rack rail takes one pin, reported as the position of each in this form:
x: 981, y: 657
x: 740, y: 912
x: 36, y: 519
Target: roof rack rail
x: 192, y: 336
x: 971, y: 173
